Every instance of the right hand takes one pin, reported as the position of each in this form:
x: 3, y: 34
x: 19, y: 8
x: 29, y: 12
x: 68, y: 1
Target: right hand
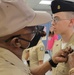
x: 71, y: 60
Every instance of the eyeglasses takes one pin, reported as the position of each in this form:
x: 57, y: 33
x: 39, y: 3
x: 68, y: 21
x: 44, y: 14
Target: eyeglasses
x: 38, y: 30
x: 57, y: 19
x: 37, y: 33
x: 19, y: 36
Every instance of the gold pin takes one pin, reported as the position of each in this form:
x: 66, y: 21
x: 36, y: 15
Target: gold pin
x: 58, y: 7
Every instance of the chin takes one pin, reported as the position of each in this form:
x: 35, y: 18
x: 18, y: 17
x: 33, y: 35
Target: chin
x: 57, y: 33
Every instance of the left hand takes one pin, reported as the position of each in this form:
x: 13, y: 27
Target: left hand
x: 62, y: 55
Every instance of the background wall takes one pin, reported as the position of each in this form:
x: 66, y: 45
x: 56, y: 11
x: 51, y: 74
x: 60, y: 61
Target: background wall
x: 47, y: 27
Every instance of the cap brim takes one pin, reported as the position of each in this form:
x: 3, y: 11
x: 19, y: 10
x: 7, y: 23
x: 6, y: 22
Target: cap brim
x: 40, y: 18
x: 19, y: 15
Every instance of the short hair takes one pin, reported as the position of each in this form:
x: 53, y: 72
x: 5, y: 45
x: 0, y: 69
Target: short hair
x: 70, y: 15
x: 69, y: 0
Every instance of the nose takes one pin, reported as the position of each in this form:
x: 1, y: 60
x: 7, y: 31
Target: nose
x: 52, y: 23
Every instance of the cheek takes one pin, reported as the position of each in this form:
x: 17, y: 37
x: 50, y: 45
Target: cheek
x: 58, y: 29
x: 61, y: 29
x: 26, y: 43
x: 28, y: 37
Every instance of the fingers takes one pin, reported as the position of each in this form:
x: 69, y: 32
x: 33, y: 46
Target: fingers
x: 67, y: 51
x: 71, y: 59
x: 70, y: 50
x: 62, y: 55
x: 71, y: 54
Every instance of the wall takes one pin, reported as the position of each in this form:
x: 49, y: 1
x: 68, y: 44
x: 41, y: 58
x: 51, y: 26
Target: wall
x: 47, y: 31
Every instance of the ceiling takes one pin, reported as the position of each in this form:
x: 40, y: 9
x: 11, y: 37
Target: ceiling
x: 39, y: 7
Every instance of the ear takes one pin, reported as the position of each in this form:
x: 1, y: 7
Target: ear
x: 15, y: 42
x: 72, y: 22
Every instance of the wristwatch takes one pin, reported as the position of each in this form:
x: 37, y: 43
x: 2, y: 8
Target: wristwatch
x: 52, y: 63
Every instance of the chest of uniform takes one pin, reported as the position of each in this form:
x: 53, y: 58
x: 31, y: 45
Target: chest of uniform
x: 56, y: 48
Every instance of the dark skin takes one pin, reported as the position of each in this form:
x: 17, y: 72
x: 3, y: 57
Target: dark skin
x: 60, y: 56
x: 71, y: 60
x: 14, y: 45
x: 63, y: 55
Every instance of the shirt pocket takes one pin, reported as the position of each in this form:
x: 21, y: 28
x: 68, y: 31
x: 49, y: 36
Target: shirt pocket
x: 62, y: 69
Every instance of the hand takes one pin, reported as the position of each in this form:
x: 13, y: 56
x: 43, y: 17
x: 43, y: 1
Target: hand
x: 62, y: 55
x: 71, y: 60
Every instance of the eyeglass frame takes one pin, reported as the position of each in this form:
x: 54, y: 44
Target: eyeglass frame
x: 57, y: 19
x: 35, y: 32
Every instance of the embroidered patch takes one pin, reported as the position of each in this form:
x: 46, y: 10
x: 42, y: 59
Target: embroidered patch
x: 58, y: 7
x: 41, y: 48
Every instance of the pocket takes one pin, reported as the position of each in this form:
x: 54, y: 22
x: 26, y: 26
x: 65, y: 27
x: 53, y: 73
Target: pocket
x: 62, y: 69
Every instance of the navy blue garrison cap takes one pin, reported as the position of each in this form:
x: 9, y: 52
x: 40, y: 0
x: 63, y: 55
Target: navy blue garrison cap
x: 62, y: 6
